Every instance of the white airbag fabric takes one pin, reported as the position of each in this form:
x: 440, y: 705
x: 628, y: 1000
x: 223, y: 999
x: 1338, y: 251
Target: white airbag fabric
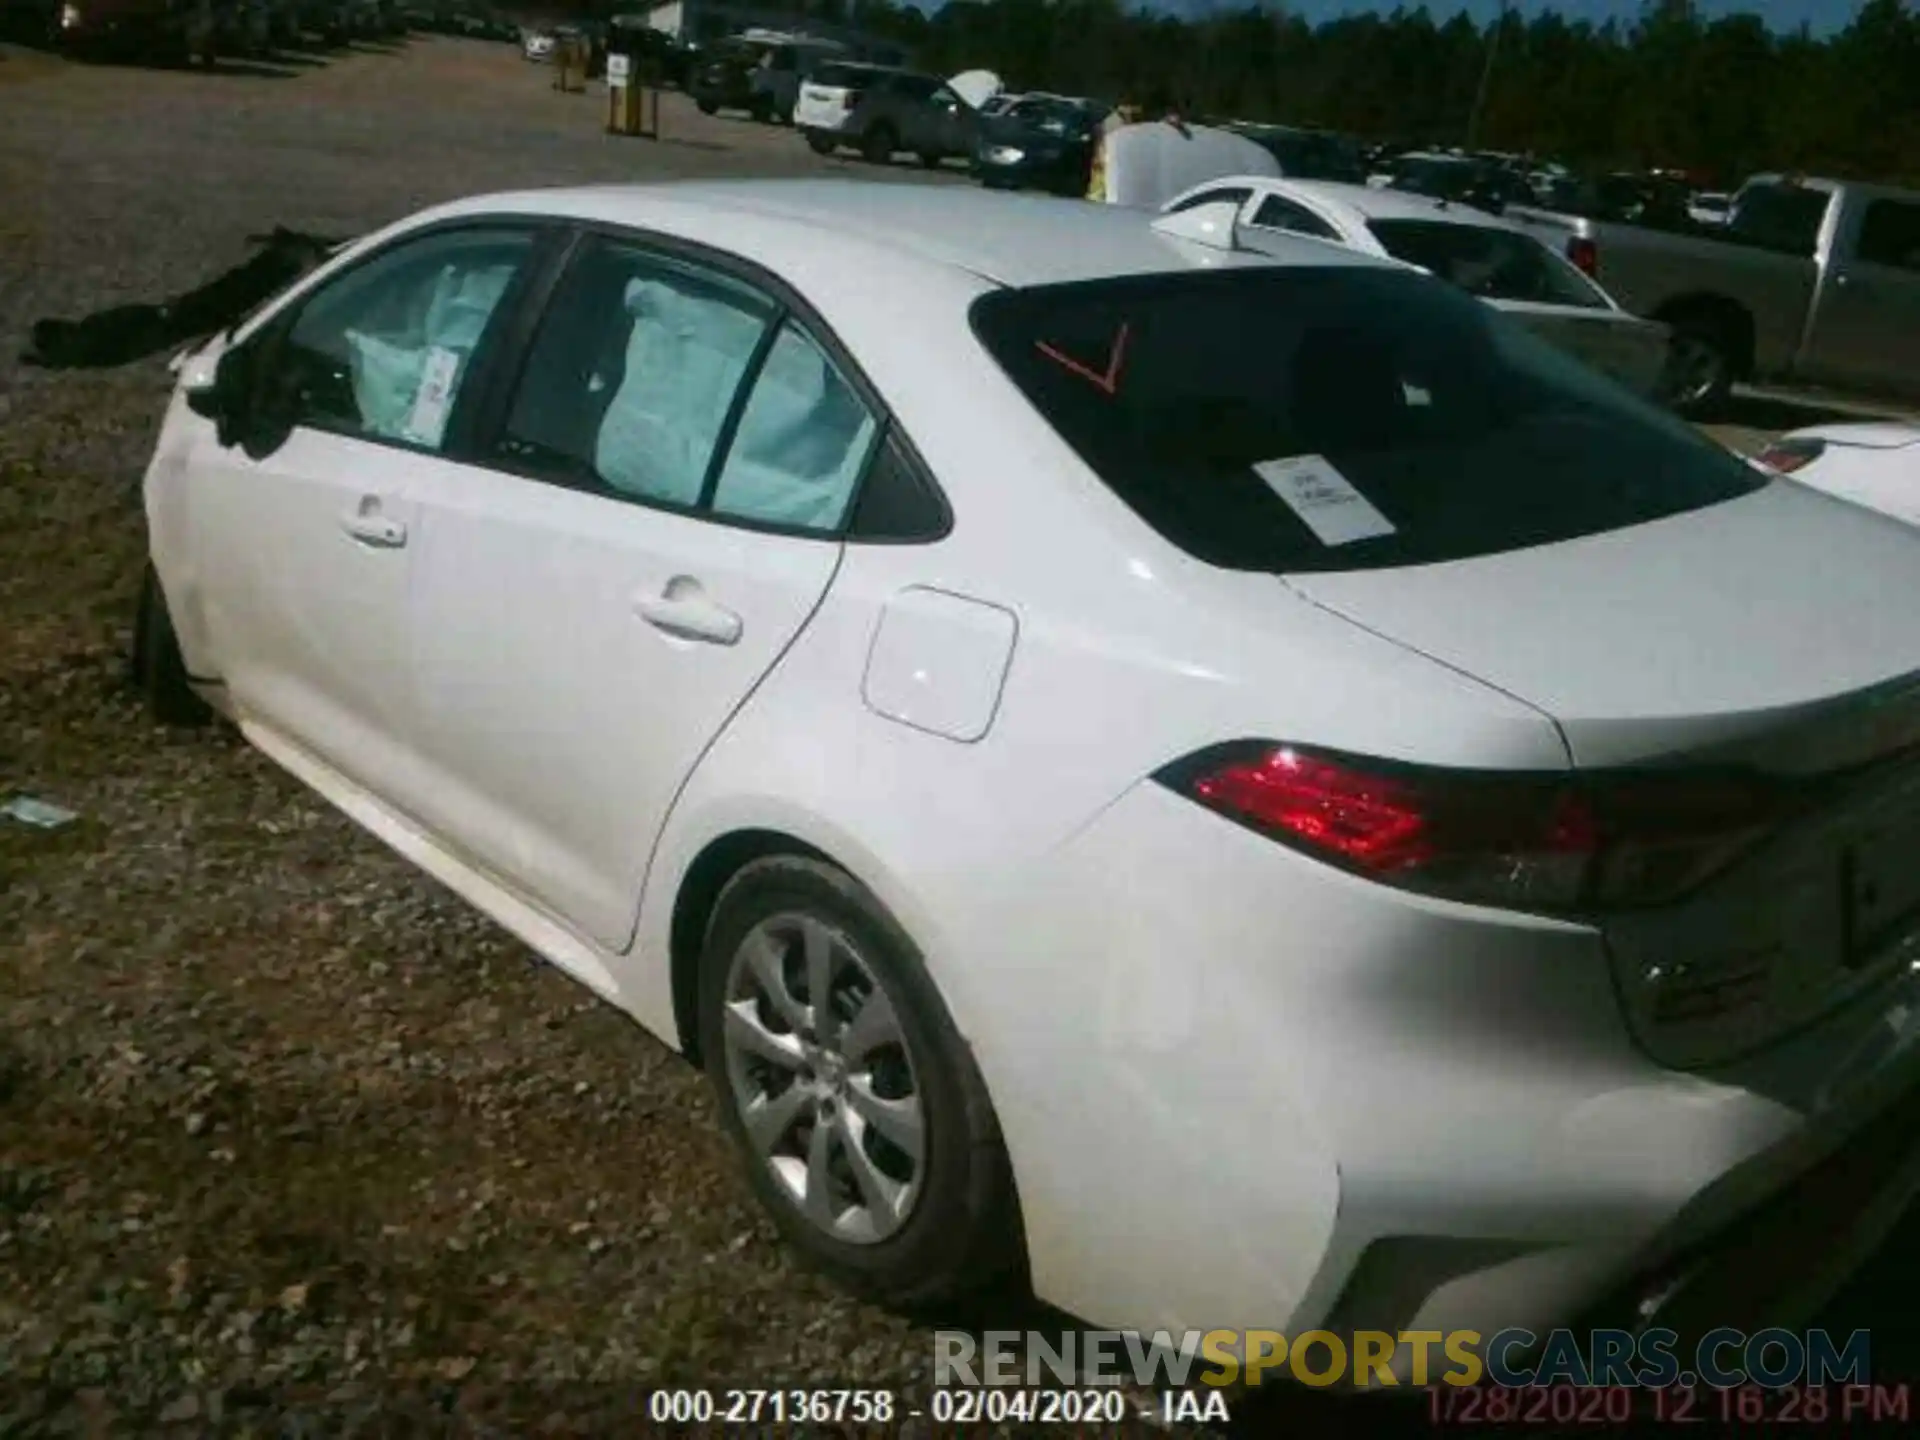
x: 685, y: 357
x: 388, y: 376
x: 801, y: 442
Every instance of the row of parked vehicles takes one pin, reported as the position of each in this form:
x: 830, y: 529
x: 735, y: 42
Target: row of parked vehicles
x: 1787, y: 280
x: 173, y: 31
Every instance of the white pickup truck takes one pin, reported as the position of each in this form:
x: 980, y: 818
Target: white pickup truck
x: 1809, y: 282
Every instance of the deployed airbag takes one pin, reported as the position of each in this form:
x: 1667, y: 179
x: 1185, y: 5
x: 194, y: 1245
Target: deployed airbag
x: 405, y: 390
x: 685, y: 359
x: 801, y: 443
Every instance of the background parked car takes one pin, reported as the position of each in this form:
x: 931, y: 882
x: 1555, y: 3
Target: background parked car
x: 1875, y: 465
x: 760, y: 72
x: 881, y: 111
x: 1811, y: 281
x: 1038, y: 142
x: 168, y: 31
x: 1308, y: 154
x: 1490, y: 259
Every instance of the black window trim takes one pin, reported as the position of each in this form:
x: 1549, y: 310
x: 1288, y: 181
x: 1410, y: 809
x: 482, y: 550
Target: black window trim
x: 787, y: 305
x: 1328, y: 230
x: 266, y: 342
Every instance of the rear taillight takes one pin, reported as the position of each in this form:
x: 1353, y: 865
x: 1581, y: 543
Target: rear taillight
x: 849, y: 99
x: 1585, y: 256
x: 1555, y: 843
x: 1791, y: 454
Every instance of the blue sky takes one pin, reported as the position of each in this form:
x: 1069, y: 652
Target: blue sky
x: 1824, y: 15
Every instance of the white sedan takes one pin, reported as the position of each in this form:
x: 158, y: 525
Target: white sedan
x: 1871, y: 464
x: 1252, y: 754
x: 1485, y: 256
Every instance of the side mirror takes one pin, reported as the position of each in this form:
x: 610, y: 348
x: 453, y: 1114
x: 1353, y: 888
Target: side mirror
x: 218, y: 386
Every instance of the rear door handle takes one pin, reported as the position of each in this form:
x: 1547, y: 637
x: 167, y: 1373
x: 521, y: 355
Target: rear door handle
x: 373, y: 528
x: 685, y: 612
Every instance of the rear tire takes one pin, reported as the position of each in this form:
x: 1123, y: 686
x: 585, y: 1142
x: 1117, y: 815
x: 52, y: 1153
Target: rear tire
x: 820, y: 144
x: 1700, y: 367
x: 910, y: 1224
x: 158, y: 669
x: 930, y: 160
x: 878, y: 144
x: 706, y: 107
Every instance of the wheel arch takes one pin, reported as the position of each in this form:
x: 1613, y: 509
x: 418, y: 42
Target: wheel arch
x: 1726, y: 315
x: 718, y: 862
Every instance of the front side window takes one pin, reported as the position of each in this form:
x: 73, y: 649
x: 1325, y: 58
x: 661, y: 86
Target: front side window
x: 1492, y: 264
x: 1242, y: 413
x: 382, y: 352
x: 632, y: 374
x: 802, y: 442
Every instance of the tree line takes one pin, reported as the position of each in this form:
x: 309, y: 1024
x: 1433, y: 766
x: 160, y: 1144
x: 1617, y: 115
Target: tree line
x: 1669, y: 88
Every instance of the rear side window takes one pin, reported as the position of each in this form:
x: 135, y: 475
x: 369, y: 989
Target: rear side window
x: 1341, y: 418
x: 1890, y: 234
x: 1493, y: 264
x: 1780, y: 217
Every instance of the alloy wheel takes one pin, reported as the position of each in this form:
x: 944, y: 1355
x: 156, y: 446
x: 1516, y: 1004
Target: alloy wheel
x: 823, y: 1078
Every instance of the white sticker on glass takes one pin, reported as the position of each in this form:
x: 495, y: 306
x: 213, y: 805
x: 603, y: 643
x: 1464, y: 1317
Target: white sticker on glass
x: 434, y: 398
x: 1324, y: 499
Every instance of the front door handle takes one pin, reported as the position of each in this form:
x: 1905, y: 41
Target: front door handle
x: 685, y: 612
x: 370, y: 527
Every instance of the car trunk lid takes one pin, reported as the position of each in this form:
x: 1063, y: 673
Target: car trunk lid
x: 1762, y: 635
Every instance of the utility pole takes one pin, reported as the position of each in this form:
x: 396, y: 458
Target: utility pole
x: 1486, y: 77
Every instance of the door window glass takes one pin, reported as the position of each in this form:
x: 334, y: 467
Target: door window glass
x: 1890, y: 234
x: 632, y: 374
x: 1277, y: 214
x: 803, y: 440
x: 382, y: 351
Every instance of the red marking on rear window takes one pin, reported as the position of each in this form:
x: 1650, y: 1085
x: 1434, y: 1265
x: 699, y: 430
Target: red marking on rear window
x: 1109, y: 382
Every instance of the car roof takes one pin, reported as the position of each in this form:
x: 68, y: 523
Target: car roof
x: 1372, y: 204
x: 1007, y: 239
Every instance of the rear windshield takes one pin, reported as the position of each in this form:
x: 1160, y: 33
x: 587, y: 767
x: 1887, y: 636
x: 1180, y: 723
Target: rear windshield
x: 845, y: 77
x: 1341, y: 418
x: 1493, y: 264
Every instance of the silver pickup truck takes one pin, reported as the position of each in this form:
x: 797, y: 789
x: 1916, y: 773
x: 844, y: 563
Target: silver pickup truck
x: 1810, y: 282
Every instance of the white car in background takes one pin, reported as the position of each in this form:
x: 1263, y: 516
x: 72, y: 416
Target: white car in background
x: 537, y: 45
x: 1710, y: 207
x: 1239, y: 780
x: 1498, y: 262
x: 1871, y: 464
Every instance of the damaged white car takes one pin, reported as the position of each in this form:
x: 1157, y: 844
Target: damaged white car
x: 1247, y: 784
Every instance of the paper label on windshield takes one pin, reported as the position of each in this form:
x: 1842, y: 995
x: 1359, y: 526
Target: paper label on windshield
x: 1324, y: 499
x: 434, y: 397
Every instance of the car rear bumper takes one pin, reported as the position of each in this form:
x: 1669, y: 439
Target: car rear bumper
x: 1242, y: 1090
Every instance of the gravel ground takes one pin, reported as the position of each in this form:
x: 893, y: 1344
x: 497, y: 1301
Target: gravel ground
x: 284, y: 1127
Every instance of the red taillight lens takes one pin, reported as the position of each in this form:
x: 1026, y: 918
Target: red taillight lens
x: 1553, y: 842
x: 1789, y: 455
x: 1585, y: 255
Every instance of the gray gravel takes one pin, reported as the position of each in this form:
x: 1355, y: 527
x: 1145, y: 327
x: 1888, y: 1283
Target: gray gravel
x: 283, y: 1125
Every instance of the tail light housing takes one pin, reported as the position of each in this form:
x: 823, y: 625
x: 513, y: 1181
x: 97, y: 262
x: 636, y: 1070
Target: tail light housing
x: 1791, y: 453
x: 1585, y: 255
x: 1558, y: 843
x: 849, y: 99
